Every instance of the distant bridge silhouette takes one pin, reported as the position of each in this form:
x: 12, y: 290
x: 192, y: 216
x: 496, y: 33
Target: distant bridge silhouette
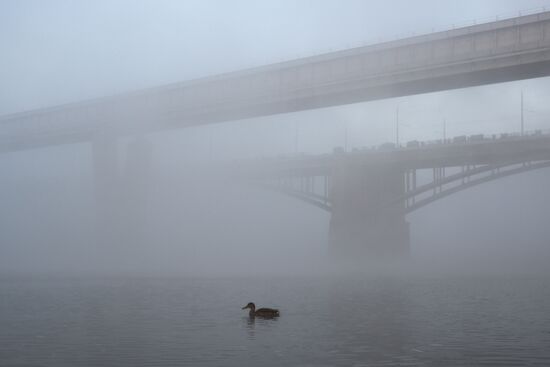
x: 312, y: 183
x: 368, y: 192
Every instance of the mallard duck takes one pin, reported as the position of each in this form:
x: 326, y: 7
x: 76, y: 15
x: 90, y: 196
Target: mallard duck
x: 261, y: 312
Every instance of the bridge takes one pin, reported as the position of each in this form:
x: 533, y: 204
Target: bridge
x: 501, y: 51
x: 368, y: 193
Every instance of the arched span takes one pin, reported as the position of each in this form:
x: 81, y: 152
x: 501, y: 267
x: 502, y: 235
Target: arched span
x: 310, y: 198
x: 496, y: 173
x: 409, y: 201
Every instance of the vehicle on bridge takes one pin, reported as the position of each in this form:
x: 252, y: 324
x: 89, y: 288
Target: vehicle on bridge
x: 477, y: 137
x: 460, y: 139
x: 387, y: 147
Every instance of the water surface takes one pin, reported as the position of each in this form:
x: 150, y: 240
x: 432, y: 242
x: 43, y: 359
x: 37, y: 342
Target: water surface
x: 360, y: 321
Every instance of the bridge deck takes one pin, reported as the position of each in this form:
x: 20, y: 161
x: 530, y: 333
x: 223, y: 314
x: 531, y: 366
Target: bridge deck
x: 494, y: 52
x: 492, y: 151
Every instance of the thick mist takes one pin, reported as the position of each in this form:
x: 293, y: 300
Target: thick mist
x: 171, y: 212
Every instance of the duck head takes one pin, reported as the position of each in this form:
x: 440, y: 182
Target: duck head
x: 250, y: 305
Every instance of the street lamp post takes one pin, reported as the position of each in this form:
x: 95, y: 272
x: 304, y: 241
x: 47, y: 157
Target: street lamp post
x: 296, y: 136
x: 345, y: 136
x: 397, y: 126
x: 522, y: 120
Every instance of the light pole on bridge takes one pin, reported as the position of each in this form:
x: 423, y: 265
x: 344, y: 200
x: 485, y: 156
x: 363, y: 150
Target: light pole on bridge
x: 346, y: 136
x: 296, y: 136
x: 522, y: 121
x: 397, y: 126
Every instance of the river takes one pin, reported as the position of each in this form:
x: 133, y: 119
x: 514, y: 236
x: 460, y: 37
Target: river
x: 325, y: 321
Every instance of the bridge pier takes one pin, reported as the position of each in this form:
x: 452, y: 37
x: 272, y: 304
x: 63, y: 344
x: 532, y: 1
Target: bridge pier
x: 363, y: 222
x: 121, y: 195
x: 136, y: 180
x: 106, y: 186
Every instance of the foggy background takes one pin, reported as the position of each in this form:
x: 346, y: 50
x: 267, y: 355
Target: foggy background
x: 57, y: 52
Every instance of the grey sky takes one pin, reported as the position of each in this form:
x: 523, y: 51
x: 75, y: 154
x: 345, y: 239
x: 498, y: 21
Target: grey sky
x: 61, y: 50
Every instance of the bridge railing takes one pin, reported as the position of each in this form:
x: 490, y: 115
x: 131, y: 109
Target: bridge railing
x: 462, y: 139
x: 473, y: 138
x: 432, y: 30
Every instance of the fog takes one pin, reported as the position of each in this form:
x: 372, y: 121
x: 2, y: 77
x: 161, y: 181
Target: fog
x: 172, y: 215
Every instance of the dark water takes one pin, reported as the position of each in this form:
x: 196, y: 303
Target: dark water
x: 339, y: 322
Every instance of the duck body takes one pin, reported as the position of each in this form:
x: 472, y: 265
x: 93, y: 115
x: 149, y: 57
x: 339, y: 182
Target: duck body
x: 261, y: 312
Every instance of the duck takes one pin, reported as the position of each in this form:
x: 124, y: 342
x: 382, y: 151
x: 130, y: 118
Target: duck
x: 261, y: 312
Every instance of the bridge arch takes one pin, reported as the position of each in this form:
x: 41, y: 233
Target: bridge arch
x: 463, y: 181
x: 413, y: 198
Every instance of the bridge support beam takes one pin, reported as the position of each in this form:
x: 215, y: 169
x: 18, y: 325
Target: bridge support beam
x: 363, y: 224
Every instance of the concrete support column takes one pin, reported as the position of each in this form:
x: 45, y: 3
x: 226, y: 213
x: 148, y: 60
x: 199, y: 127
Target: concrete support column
x: 106, y: 186
x: 363, y: 221
x: 136, y: 183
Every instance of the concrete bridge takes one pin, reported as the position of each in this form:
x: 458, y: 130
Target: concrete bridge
x: 506, y: 50
x: 368, y: 192
x: 500, y: 51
